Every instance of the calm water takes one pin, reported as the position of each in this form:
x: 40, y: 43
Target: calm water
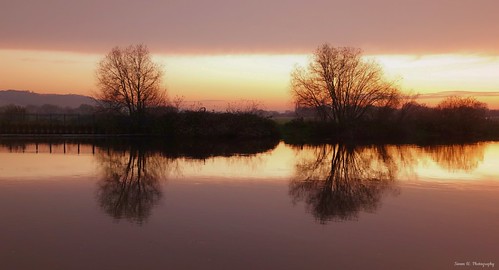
x: 248, y: 206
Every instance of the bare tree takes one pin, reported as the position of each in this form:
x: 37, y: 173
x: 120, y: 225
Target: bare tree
x: 129, y: 81
x: 341, y: 85
x: 462, y: 116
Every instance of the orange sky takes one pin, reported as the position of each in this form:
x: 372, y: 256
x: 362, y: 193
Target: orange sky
x: 222, y: 51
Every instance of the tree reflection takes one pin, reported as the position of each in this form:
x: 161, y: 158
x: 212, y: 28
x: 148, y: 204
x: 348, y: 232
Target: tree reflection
x: 337, y: 182
x: 459, y: 157
x: 132, y: 169
x: 130, y: 184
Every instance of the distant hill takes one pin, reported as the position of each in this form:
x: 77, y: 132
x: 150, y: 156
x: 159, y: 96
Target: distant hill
x: 25, y: 98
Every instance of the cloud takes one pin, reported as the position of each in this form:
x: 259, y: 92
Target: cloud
x: 251, y: 26
x: 446, y: 94
x: 60, y: 61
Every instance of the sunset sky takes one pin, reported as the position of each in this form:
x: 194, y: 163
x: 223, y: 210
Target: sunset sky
x: 221, y: 51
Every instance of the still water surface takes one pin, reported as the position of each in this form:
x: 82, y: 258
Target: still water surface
x: 70, y: 205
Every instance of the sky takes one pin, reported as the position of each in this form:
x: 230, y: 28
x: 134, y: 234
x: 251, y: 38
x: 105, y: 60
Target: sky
x: 218, y: 51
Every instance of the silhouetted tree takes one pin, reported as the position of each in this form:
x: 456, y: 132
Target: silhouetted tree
x: 12, y: 112
x: 341, y: 85
x: 129, y: 81
x: 461, y: 116
x: 339, y: 181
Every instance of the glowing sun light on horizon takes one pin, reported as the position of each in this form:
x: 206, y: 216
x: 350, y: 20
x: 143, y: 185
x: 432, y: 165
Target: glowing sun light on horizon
x: 445, y: 72
x: 259, y: 77
x: 263, y: 78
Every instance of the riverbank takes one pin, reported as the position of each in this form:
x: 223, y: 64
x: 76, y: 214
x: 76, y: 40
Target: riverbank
x: 216, y: 126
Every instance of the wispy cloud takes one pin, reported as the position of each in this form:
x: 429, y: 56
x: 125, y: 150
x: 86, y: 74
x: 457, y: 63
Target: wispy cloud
x: 445, y: 94
x: 59, y: 61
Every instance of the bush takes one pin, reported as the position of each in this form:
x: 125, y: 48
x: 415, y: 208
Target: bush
x: 195, y: 124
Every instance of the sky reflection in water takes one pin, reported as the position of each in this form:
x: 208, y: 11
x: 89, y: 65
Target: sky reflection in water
x: 191, y: 199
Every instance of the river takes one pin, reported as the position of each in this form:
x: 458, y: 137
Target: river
x: 248, y: 205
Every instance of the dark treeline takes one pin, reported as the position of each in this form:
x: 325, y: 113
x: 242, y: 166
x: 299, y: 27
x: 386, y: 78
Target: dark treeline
x: 197, y: 124
x: 13, y: 109
x: 161, y: 121
x: 454, y: 119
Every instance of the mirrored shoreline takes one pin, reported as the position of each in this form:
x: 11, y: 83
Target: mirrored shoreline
x: 246, y: 206
x: 334, y: 182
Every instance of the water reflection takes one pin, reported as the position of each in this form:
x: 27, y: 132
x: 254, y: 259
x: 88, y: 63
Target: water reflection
x: 461, y: 157
x: 129, y: 187
x: 338, y: 181
x: 55, y: 216
x: 132, y: 174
